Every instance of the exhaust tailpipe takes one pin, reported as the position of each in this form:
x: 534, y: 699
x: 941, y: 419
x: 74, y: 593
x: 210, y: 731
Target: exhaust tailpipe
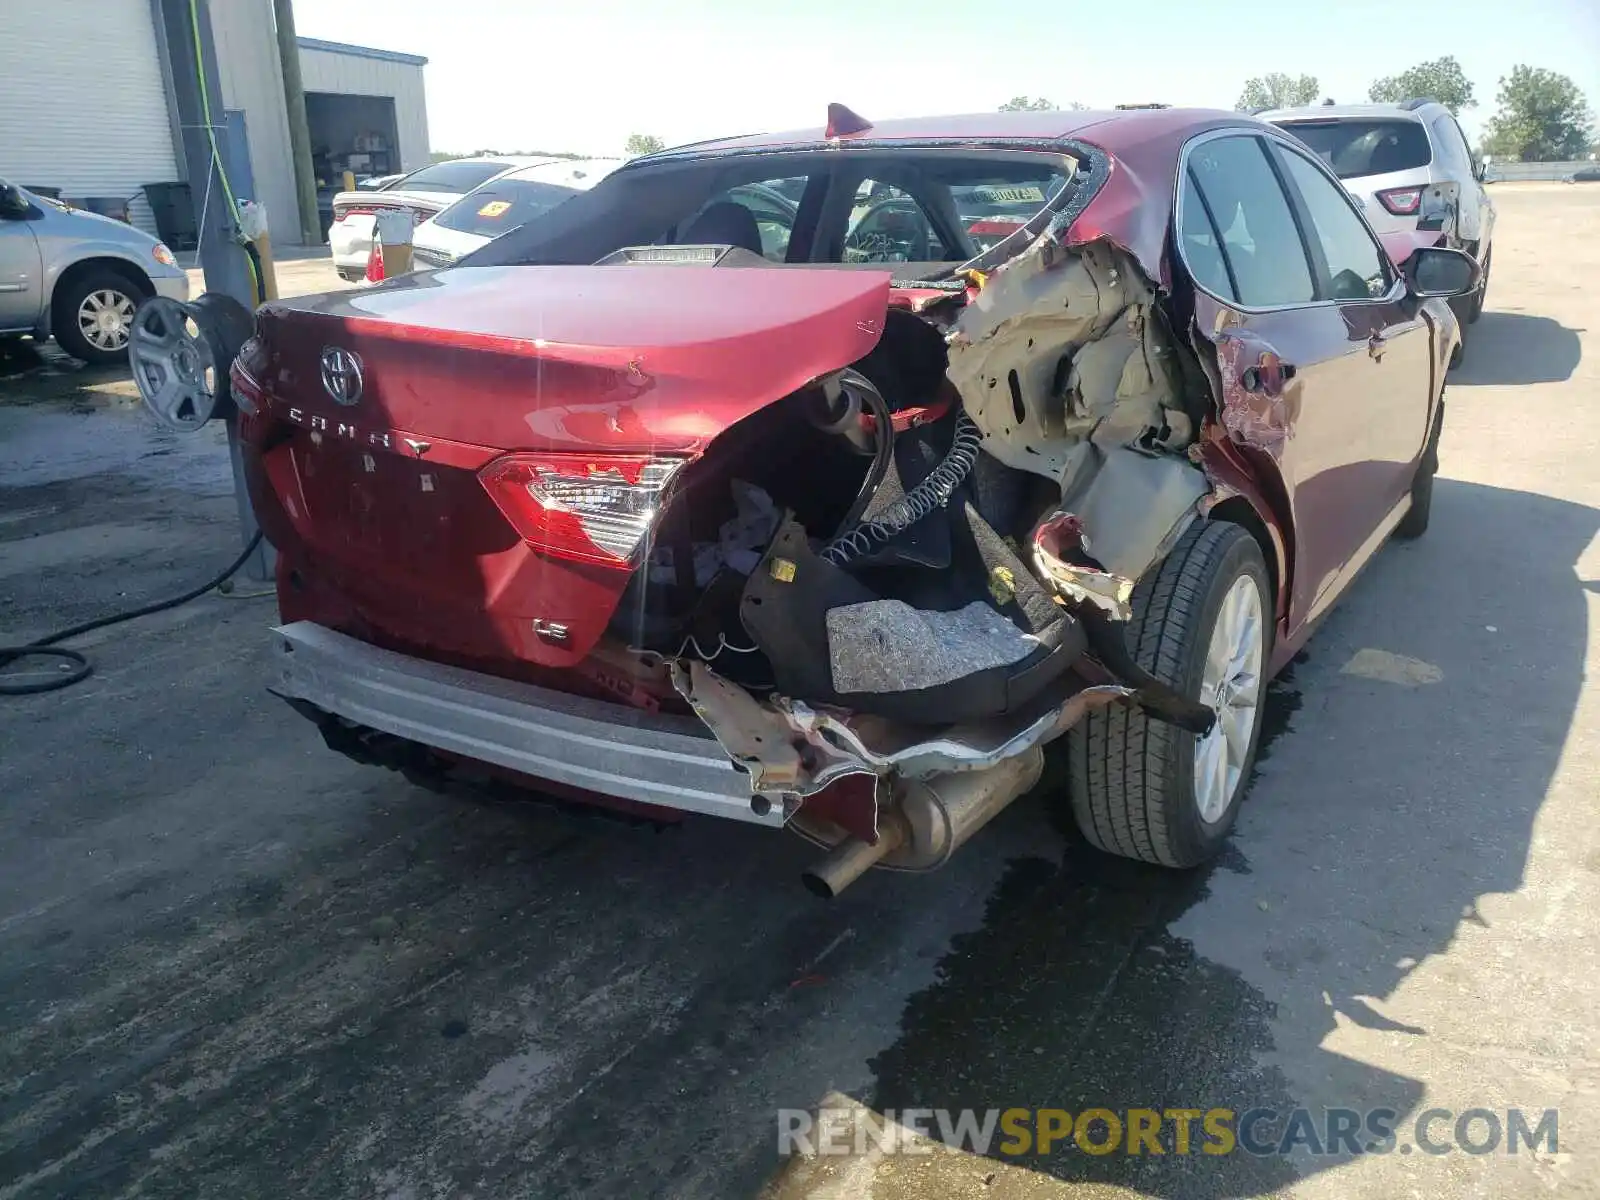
x: 931, y: 819
x: 850, y: 859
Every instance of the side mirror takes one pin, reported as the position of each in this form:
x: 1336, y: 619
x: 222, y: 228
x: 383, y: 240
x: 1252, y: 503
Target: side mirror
x: 1440, y: 271
x: 1480, y: 171
x: 14, y: 205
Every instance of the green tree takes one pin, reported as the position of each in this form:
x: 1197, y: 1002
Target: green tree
x: 1542, y: 118
x: 642, y: 143
x: 1277, y: 90
x: 1442, y: 80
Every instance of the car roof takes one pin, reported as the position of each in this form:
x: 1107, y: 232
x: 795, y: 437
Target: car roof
x: 1111, y: 127
x: 1330, y: 112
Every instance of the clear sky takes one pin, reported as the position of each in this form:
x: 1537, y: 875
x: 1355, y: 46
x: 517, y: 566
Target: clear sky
x: 582, y: 74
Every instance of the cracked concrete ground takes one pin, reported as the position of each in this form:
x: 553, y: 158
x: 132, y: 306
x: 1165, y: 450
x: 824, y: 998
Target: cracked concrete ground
x: 233, y: 964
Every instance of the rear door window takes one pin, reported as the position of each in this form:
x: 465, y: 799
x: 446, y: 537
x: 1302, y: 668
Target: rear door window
x: 1353, y: 148
x: 1356, y: 266
x: 1261, y: 244
x: 1202, y: 248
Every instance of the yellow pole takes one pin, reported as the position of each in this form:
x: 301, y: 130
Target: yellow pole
x: 349, y: 181
x: 269, y: 273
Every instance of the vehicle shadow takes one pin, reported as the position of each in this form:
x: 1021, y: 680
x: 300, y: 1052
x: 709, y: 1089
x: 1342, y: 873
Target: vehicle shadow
x: 1511, y: 348
x: 1365, y: 843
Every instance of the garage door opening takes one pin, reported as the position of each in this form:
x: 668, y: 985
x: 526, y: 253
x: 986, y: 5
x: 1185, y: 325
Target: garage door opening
x: 358, y: 134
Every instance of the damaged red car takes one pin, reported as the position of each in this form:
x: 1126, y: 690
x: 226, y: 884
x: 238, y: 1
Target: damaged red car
x: 824, y: 479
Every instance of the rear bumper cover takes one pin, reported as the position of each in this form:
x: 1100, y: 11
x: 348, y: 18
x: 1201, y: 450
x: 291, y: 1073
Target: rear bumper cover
x: 671, y: 762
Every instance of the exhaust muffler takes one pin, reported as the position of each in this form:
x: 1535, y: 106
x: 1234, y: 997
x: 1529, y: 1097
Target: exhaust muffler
x: 929, y: 820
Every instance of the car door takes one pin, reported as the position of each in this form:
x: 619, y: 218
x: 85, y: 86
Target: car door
x: 20, y: 265
x: 1390, y: 340
x: 1313, y: 346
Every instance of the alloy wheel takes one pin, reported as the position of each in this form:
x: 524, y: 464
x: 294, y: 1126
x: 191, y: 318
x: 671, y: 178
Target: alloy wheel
x: 1231, y: 686
x: 106, y: 318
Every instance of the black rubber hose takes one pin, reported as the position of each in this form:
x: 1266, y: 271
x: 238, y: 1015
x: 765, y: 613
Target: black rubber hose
x: 82, y: 669
x: 882, y: 456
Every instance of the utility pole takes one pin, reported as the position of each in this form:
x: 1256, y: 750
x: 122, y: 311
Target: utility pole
x: 185, y: 31
x: 294, y: 100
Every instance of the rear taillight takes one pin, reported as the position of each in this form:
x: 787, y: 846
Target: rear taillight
x: 340, y: 212
x: 244, y: 376
x: 1402, y: 202
x: 589, y: 508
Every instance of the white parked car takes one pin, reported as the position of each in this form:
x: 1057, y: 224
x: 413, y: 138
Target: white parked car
x: 502, y: 204
x: 1412, y: 170
x: 421, y: 193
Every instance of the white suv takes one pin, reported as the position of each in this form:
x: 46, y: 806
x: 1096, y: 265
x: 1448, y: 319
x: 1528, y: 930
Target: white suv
x: 1411, y: 169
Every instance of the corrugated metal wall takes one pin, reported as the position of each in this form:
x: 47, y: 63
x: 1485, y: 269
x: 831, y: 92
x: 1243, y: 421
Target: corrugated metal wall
x: 252, y: 80
x: 326, y: 71
x: 85, y: 103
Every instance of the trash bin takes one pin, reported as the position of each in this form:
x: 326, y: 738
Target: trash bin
x: 115, y: 207
x: 172, y: 205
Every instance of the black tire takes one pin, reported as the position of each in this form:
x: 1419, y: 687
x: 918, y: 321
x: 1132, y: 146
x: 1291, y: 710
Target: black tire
x: 1480, y: 296
x: 1132, y: 779
x: 67, y: 303
x: 1415, y: 523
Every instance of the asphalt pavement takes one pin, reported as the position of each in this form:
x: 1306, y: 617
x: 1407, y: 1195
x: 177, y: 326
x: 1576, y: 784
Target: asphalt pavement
x: 234, y: 964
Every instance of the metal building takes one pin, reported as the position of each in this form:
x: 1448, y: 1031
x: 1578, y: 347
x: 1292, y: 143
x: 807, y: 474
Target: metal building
x: 88, y: 109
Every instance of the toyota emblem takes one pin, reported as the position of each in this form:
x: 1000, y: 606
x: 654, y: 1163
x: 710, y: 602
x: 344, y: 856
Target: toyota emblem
x: 341, y: 374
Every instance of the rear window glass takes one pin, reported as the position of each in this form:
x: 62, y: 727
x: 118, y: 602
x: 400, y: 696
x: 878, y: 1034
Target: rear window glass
x: 503, y: 205
x: 903, y: 207
x: 1352, y: 148
x: 451, y: 177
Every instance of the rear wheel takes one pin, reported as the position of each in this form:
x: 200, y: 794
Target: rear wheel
x: 1145, y: 789
x: 1479, y: 297
x: 1415, y: 523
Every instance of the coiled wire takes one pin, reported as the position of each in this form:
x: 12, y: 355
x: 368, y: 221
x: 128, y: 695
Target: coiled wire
x: 931, y: 494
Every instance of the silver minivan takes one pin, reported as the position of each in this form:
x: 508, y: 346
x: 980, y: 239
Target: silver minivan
x: 77, y: 276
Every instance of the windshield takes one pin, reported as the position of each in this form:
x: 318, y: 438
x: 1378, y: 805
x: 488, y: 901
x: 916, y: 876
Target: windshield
x: 503, y: 205
x: 459, y: 177
x: 993, y: 210
x: 1362, y: 147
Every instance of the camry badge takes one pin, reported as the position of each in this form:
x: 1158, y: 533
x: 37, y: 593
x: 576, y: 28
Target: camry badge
x: 341, y: 374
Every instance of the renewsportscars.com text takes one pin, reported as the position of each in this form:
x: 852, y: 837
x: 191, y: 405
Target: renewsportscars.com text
x: 1149, y: 1131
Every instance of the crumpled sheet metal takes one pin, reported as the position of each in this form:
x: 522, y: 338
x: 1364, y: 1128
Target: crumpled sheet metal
x: 1058, y: 347
x: 1260, y: 418
x: 790, y: 748
x: 1056, y: 542
x: 1022, y: 321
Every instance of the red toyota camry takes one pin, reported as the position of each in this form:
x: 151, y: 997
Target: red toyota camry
x: 823, y: 479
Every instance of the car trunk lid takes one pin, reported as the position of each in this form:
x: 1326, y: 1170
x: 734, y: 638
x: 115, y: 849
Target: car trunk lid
x: 592, y: 382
